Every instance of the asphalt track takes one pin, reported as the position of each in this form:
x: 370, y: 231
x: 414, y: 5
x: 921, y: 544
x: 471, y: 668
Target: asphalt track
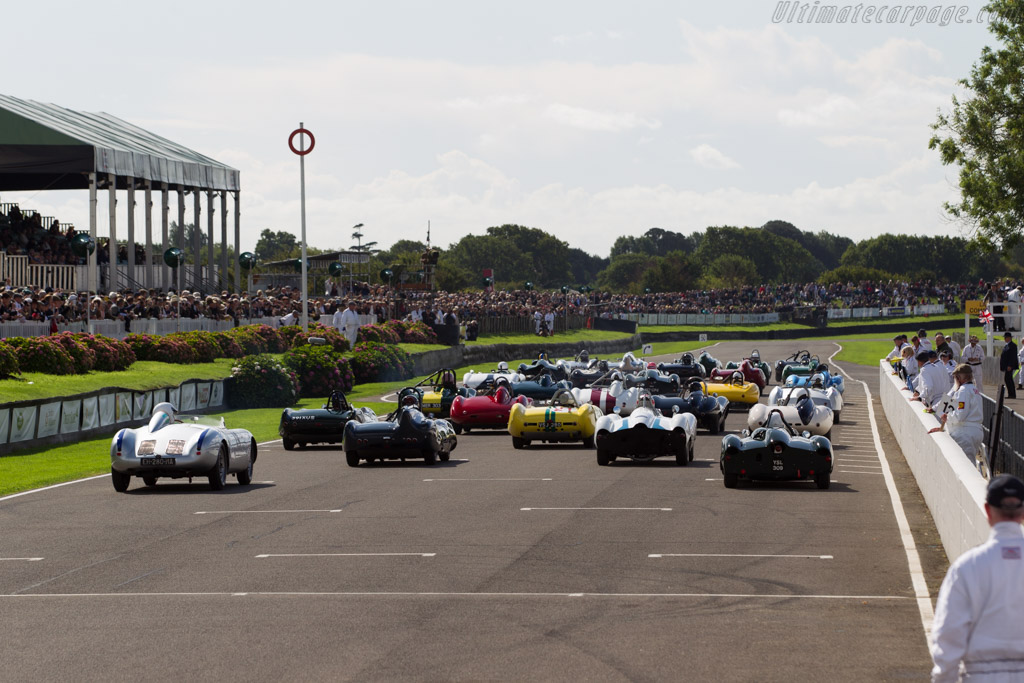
x: 501, y: 564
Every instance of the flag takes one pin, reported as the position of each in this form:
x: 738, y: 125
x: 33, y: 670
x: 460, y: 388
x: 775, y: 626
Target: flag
x: 985, y: 317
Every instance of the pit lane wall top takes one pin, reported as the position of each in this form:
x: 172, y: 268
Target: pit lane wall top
x: 69, y: 419
x: 953, y: 488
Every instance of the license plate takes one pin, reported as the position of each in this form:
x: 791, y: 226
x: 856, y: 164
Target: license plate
x: 156, y: 462
x: 175, y: 446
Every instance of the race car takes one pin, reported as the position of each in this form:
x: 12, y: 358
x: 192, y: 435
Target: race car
x: 808, y: 367
x: 776, y: 453
x: 540, y: 389
x: 405, y: 433
x: 564, y: 420
x: 582, y: 361
x: 437, y: 392
x: 323, y: 425
x: 709, y: 362
x: 654, y: 381
x: 710, y: 411
x: 593, y: 375
x: 750, y: 372
x: 739, y: 392
x: 755, y: 360
x: 173, y: 446
x: 485, y: 411
x: 829, y: 396
x: 799, y: 410
x: 684, y: 368
x: 798, y: 358
x: 646, y: 434
x: 629, y: 363
x: 615, y: 397
x: 474, y: 379
x: 827, y: 378
x: 542, y: 367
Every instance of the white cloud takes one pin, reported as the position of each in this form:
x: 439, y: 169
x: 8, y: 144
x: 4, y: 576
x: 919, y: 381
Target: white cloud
x: 709, y: 157
x: 588, y: 119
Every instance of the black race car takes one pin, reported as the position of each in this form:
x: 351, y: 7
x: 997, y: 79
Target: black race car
x: 776, y: 453
x: 405, y: 433
x: 710, y: 411
x: 323, y: 425
x: 684, y: 368
x: 654, y: 381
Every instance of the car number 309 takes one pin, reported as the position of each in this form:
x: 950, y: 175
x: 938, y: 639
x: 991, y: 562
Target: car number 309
x: 777, y: 465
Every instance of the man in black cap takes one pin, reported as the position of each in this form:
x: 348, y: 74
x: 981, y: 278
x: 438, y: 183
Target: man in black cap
x: 979, y: 616
x: 1008, y: 362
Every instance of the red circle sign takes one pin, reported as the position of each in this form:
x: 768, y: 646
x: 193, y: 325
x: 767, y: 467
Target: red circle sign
x: 301, y: 131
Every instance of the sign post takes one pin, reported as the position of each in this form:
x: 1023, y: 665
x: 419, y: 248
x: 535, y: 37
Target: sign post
x: 302, y: 152
x: 972, y: 307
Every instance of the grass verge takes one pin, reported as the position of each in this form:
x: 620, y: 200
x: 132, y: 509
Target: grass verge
x: 931, y: 323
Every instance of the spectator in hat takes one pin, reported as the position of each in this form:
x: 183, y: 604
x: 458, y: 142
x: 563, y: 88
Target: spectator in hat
x: 980, y: 607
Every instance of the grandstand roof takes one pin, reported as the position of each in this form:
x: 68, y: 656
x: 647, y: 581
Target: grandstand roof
x: 45, y: 146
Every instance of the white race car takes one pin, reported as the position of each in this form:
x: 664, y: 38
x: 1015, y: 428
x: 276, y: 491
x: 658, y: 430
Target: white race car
x: 477, y: 380
x: 177, y: 447
x: 629, y: 363
x: 830, y: 396
x: 607, y: 399
x: 798, y: 410
x: 645, y: 434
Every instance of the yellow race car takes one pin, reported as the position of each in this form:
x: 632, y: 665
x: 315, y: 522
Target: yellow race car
x: 735, y: 389
x: 563, y: 419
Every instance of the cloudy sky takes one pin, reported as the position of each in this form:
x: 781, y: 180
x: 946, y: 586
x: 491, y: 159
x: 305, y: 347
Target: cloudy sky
x: 586, y: 119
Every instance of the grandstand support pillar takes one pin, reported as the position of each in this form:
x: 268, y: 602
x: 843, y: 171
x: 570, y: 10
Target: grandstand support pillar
x: 223, y: 241
x: 180, y: 270
x: 165, y: 211
x: 209, y: 240
x: 238, y: 240
x: 112, y: 203
x: 93, y: 282
x: 131, y: 231
x: 197, y: 242
x: 149, y: 234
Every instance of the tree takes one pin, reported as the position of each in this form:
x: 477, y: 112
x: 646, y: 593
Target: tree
x: 276, y: 246
x: 983, y: 135
x: 585, y: 267
x: 824, y: 246
x: 624, y: 273
x: 777, y: 259
x: 730, y: 271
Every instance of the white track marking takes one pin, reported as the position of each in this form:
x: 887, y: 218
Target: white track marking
x: 246, y: 512
x: 658, y: 509
x: 98, y: 476
x: 348, y: 555
x: 628, y: 596
x: 856, y: 472
x: 20, y: 559
x: 545, y: 479
x: 804, y: 557
x: 924, y: 601
x: 719, y: 479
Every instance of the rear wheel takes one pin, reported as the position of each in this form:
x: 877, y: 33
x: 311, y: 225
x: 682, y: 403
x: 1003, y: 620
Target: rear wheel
x: 823, y: 480
x: 149, y: 480
x: 218, y: 477
x: 838, y: 412
x: 518, y: 443
x: 828, y: 435
x: 352, y: 458
x: 683, y: 457
x: 588, y: 442
x: 288, y: 444
x: 457, y: 427
x: 429, y: 456
x: 691, y: 451
x: 445, y: 456
x: 717, y: 425
x: 731, y: 480
x: 603, y: 458
x: 120, y: 480
x: 302, y: 444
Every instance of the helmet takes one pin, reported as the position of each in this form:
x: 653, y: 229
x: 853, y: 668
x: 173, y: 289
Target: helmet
x: 503, y: 366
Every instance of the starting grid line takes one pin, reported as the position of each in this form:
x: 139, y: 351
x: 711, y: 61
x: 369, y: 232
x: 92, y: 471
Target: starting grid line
x: 437, y: 594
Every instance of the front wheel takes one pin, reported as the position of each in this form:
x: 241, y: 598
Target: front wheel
x: 218, y: 477
x: 731, y: 480
x: 120, y: 480
x: 245, y: 476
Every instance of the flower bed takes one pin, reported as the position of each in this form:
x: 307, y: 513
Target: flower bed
x: 319, y: 370
x: 373, y: 362
x: 8, y: 361
x: 41, y: 354
x: 261, y: 381
x: 381, y: 334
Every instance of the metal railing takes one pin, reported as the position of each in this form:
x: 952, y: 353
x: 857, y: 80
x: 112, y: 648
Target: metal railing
x: 1006, y: 455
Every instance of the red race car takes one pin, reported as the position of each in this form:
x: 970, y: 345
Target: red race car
x: 485, y: 411
x: 751, y: 373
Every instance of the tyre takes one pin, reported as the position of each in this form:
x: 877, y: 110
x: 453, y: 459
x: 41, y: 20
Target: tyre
x: 683, y: 457
x: 245, y: 476
x: 518, y: 443
x: 603, y: 459
x: 838, y: 413
x: 467, y: 429
x: 218, y: 476
x: 120, y: 480
x: 823, y: 480
x: 149, y: 480
x: 429, y: 456
x: 457, y: 427
x: 589, y: 442
x: 828, y: 435
x: 716, y: 425
x: 288, y: 444
x: 302, y: 444
x: 352, y: 458
x: 444, y: 457
x: 731, y: 480
x: 691, y: 451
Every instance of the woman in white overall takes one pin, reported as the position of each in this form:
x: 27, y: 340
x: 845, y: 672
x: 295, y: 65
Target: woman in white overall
x: 963, y: 416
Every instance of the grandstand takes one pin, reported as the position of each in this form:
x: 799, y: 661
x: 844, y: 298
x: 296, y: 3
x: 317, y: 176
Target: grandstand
x: 48, y: 147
